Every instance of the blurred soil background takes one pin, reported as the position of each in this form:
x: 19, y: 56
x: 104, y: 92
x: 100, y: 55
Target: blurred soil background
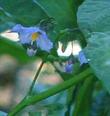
x: 15, y: 80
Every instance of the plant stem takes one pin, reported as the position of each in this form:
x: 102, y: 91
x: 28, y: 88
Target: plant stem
x: 83, y: 99
x: 35, y: 78
x: 58, y: 88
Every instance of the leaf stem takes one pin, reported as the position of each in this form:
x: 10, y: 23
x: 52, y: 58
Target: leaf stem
x: 58, y: 88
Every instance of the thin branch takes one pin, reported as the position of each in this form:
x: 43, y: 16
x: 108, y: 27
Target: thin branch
x: 35, y: 78
x: 58, y: 88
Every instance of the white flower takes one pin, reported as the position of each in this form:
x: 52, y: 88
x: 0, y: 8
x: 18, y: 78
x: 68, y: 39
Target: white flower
x: 28, y: 35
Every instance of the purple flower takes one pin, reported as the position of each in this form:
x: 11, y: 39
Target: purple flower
x: 31, y: 52
x: 69, y: 67
x: 30, y: 35
x: 82, y: 59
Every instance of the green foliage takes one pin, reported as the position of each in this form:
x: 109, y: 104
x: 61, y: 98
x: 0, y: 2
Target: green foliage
x: 63, y: 20
x: 60, y: 10
x: 94, y: 16
x: 28, y: 100
x: 22, y: 11
x: 30, y: 13
x: 100, y: 105
x: 15, y: 50
x: 99, y: 56
x: 83, y: 99
x: 35, y: 113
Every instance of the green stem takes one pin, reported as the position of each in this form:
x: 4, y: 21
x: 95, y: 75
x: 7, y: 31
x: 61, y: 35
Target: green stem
x: 35, y: 78
x: 70, y: 99
x: 58, y: 88
x: 83, y: 98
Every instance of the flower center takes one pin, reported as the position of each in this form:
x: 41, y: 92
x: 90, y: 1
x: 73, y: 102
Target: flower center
x: 35, y: 36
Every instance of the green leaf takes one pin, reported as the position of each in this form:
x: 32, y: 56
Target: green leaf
x: 98, y: 51
x: 15, y: 50
x: 4, y: 19
x: 35, y: 113
x: 55, y: 108
x: 63, y: 11
x: 22, y: 11
x: 78, y: 3
x: 93, y: 15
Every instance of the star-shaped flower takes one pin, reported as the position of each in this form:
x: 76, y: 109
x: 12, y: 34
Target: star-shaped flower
x: 30, y: 35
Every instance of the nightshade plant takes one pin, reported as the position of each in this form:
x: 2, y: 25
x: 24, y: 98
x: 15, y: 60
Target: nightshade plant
x: 33, y: 37
x: 41, y: 24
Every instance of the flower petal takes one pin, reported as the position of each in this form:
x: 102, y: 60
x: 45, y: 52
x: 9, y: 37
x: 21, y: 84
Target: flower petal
x: 17, y: 28
x: 31, y: 52
x: 69, y: 68
x: 25, y: 33
x: 28, y: 35
x: 82, y: 59
x: 44, y: 43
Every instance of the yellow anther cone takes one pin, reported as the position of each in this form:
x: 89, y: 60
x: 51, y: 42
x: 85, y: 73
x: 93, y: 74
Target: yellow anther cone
x: 35, y: 36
